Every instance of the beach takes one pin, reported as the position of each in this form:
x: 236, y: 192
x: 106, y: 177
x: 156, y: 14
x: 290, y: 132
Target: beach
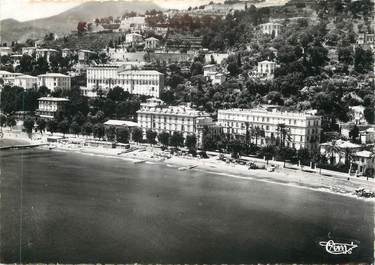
x: 338, y: 183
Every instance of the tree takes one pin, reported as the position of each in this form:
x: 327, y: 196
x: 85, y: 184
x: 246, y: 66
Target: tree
x: 111, y: 133
x: 354, y: 133
x: 163, y: 138
x: 151, y: 136
x: 52, y: 125
x: 137, y: 135
x: 3, y: 119
x: 87, y: 128
x: 345, y: 55
x: 235, y: 147
x: 116, y: 94
x: 191, y: 142
x: 26, y: 64
x: 257, y: 132
x: 268, y: 152
x: 233, y: 69
x: 41, y: 66
x: 196, y: 68
x: 41, y: 123
x: 177, y: 139
x: 75, y: 128
x: 123, y: 135
x: 64, y: 126
x: 11, y: 121
x: 369, y: 114
x: 43, y: 91
x: 81, y: 27
x: 363, y: 60
x: 98, y: 130
x: 28, y: 124
x: 304, y: 156
x: 284, y: 133
x: 333, y: 149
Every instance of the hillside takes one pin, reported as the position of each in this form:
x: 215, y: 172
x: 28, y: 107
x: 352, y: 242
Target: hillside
x: 13, y: 30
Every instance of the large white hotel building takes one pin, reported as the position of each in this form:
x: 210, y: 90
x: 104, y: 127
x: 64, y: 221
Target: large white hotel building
x: 140, y: 82
x: 156, y: 116
x: 304, y: 128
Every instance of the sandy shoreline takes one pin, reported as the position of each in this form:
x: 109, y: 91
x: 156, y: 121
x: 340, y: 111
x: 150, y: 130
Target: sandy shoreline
x: 282, y: 176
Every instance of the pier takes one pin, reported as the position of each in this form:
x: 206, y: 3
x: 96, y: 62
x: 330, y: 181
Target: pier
x: 23, y: 146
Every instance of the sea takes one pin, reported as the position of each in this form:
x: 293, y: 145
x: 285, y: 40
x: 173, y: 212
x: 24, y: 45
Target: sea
x: 60, y: 207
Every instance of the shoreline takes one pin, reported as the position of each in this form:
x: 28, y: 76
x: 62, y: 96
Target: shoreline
x: 281, y: 176
x: 287, y: 177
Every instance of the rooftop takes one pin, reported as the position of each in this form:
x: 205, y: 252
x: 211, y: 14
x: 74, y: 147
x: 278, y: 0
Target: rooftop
x: 53, y: 99
x: 53, y: 75
x: 366, y: 154
x: 121, y: 123
x: 27, y: 76
x: 260, y: 110
x: 144, y: 72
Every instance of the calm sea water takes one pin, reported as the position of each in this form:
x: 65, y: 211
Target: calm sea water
x: 72, y: 208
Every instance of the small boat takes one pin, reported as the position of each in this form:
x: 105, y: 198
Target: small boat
x: 52, y: 147
x: 139, y: 161
x: 186, y: 168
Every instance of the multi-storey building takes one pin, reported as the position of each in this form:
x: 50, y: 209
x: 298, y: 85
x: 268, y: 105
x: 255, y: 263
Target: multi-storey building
x: 4, y: 51
x: 66, y: 52
x: 271, y: 28
x: 26, y: 81
x: 8, y: 77
x: 48, y: 106
x: 54, y: 80
x: 266, y: 68
x: 133, y: 38
x: 140, y: 82
x: 151, y: 43
x: 303, y: 129
x: 84, y: 55
x: 46, y: 53
x: 156, y: 116
x: 29, y: 50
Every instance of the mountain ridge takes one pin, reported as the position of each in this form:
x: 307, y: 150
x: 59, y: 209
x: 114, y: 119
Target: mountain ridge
x: 65, y: 22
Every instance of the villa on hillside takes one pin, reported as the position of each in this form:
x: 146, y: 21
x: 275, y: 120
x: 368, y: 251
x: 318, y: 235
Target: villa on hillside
x: 48, y: 106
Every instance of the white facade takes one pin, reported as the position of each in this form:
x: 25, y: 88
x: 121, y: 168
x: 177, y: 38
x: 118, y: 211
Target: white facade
x: 66, y: 52
x: 29, y: 50
x: 46, y: 53
x: 26, y: 81
x: 358, y: 114
x: 215, y: 77
x: 133, y: 24
x: 303, y: 129
x: 217, y: 57
x: 54, y: 80
x: 140, y: 82
x: 5, y: 51
x: 48, y: 106
x: 133, y: 38
x: 266, y: 68
x: 8, y: 77
x: 271, y: 28
x: 84, y: 55
x: 209, y: 68
x: 156, y: 116
x: 151, y: 43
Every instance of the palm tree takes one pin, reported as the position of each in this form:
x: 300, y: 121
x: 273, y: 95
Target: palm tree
x: 257, y: 132
x: 284, y: 133
x: 333, y: 149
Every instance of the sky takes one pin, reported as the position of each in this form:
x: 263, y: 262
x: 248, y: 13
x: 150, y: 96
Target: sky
x: 23, y: 10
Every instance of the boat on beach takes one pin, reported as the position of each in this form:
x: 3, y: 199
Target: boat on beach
x: 139, y: 162
x: 187, y: 168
